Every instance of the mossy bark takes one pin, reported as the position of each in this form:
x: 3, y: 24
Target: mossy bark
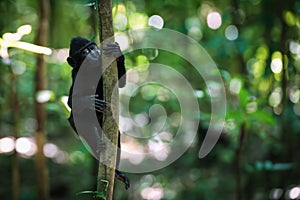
x: 107, y: 160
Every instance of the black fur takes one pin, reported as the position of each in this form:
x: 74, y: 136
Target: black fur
x: 75, y: 60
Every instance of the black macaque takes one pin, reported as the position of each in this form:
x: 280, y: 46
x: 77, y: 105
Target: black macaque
x: 80, y: 48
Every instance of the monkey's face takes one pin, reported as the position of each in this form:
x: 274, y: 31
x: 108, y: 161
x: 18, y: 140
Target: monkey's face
x: 92, y: 52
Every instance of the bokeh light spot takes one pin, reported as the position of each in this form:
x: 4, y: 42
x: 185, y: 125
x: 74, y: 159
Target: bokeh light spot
x: 297, y: 109
x: 276, y: 193
x: 7, y: 145
x: 142, y: 119
x: 120, y: 21
x: 25, y: 146
x: 156, y: 21
x: 294, y: 193
x: 122, y: 40
x: 251, y: 107
x: 231, y: 32
x: 148, y: 92
x: 214, y: 20
x: 276, y: 65
x: 137, y: 20
x: 275, y: 97
x: 44, y: 95
x: 153, y: 193
x: 294, y: 47
x: 294, y: 95
x: 50, y: 150
x: 18, y: 67
x: 235, y: 86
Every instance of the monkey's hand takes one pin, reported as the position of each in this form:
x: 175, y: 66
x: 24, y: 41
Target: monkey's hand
x: 122, y: 177
x: 91, y: 102
x: 112, y: 49
x: 98, y: 104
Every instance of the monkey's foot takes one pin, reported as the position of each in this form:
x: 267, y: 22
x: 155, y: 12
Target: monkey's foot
x: 122, y: 177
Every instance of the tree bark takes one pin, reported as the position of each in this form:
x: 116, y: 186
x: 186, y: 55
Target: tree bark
x: 16, y: 121
x: 239, y: 188
x: 106, y: 171
x: 40, y: 112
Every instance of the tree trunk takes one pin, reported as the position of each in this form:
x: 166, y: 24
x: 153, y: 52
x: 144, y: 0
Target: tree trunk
x: 40, y: 112
x: 106, y: 171
x: 239, y: 188
x: 16, y: 121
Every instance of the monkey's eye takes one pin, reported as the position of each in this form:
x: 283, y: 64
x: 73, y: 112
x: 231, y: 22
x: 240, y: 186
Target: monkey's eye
x: 92, y: 47
x: 95, y: 49
x: 85, y: 52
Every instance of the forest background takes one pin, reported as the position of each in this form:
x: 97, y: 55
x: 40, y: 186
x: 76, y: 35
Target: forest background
x: 256, y: 47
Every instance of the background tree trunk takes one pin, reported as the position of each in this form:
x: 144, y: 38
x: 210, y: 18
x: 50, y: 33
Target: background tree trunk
x: 40, y: 112
x: 110, y: 126
x: 238, y: 164
x: 15, y: 107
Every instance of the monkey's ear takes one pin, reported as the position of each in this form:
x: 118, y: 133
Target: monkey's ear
x: 71, y: 61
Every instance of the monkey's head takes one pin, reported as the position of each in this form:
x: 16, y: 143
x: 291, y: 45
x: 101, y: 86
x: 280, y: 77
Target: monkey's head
x: 80, y: 48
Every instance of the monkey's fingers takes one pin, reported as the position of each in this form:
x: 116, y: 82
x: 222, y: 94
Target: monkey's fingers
x: 100, y: 108
x: 112, y: 44
x: 95, y: 96
x: 112, y: 49
x: 101, y: 146
x: 97, y: 109
x: 99, y: 104
x: 99, y: 101
x: 112, y: 52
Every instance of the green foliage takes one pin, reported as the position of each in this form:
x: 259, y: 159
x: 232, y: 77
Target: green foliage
x: 98, y: 194
x: 267, y: 101
x: 95, y: 194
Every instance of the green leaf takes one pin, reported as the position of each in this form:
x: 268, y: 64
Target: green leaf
x: 101, y: 195
x: 94, y: 193
x: 262, y: 116
x: 243, y: 97
x: 226, y: 75
x: 236, y: 115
